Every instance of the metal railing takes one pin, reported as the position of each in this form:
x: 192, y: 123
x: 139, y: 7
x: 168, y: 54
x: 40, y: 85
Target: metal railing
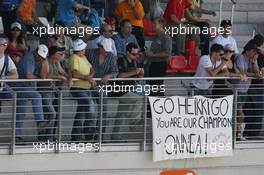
x: 113, y: 122
x: 221, y: 11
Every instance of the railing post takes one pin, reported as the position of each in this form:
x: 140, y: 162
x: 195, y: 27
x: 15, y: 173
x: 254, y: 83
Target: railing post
x: 145, y: 123
x: 60, y: 96
x: 101, y: 108
x: 13, y: 139
x: 220, y: 12
x: 235, y: 117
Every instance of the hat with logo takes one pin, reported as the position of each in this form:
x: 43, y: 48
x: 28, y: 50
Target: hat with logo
x: 106, y: 44
x: 43, y: 51
x: 226, y: 22
x: 16, y: 25
x: 79, y: 45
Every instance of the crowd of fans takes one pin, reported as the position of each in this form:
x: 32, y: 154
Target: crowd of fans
x: 124, y: 55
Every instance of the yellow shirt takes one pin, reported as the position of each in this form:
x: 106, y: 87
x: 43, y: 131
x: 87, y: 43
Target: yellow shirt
x: 82, y: 65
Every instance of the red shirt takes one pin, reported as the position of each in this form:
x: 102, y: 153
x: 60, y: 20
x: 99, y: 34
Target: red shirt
x: 176, y: 7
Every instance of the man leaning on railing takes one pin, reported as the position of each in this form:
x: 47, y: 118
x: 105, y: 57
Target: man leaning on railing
x: 84, y: 125
x: 48, y: 92
x: 34, y: 65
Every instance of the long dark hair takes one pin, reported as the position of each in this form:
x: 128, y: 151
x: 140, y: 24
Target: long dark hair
x: 20, y: 38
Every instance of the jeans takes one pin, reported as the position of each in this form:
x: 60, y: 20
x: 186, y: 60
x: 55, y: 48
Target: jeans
x: 49, y: 111
x: 254, y: 121
x: 85, y: 120
x: 22, y: 96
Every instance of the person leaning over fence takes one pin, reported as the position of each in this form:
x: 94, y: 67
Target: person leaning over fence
x: 210, y: 66
x: 84, y: 122
x: 225, y: 87
x: 33, y: 65
x: 8, y: 70
x: 130, y: 103
x: 256, y: 95
x: 48, y: 90
x: 247, y: 64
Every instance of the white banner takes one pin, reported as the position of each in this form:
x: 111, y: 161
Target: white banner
x: 191, y: 127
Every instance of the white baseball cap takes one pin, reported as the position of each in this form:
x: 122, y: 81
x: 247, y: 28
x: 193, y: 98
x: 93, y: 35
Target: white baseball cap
x: 16, y: 25
x: 79, y: 45
x: 106, y: 44
x: 43, y: 51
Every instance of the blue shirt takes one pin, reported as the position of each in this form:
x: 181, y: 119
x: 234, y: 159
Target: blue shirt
x: 10, y: 5
x: 65, y: 12
x: 121, y: 42
x: 26, y: 66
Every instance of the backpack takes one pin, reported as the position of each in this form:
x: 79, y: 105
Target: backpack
x: 92, y: 19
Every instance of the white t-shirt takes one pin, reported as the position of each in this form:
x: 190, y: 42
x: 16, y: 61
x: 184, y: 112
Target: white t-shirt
x: 99, y: 39
x: 11, y: 65
x: 205, y: 62
x: 224, y: 41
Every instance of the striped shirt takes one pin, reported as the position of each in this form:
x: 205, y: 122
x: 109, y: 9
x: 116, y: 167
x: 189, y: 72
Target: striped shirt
x: 109, y: 66
x: 121, y: 42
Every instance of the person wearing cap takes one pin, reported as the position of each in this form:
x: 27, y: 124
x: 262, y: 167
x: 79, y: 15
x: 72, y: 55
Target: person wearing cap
x: 225, y: 38
x: 47, y: 91
x: 17, y: 45
x: 248, y: 65
x: 103, y: 61
x: 254, y: 122
x: 106, y: 33
x: 8, y: 8
x: 33, y: 65
x: 84, y: 125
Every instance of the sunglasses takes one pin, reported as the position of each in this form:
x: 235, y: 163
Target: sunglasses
x: 134, y: 54
x: 229, y: 51
x: 15, y: 30
x: 222, y: 54
x: 3, y: 45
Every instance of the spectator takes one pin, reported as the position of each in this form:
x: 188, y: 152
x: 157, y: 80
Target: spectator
x: 66, y: 14
x: 248, y: 65
x: 103, y: 61
x: 174, y: 16
x: 33, y: 65
x: 46, y: 89
x: 129, y: 101
x: 84, y: 122
x: 194, y: 19
x: 9, y: 15
x: 159, y: 53
x: 255, y: 94
x: 226, y: 38
x: 106, y: 33
x: 124, y: 37
x: 27, y: 15
x: 225, y: 87
x: 17, y: 45
x: 7, y: 66
x: 133, y: 11
x: 210, y: 66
